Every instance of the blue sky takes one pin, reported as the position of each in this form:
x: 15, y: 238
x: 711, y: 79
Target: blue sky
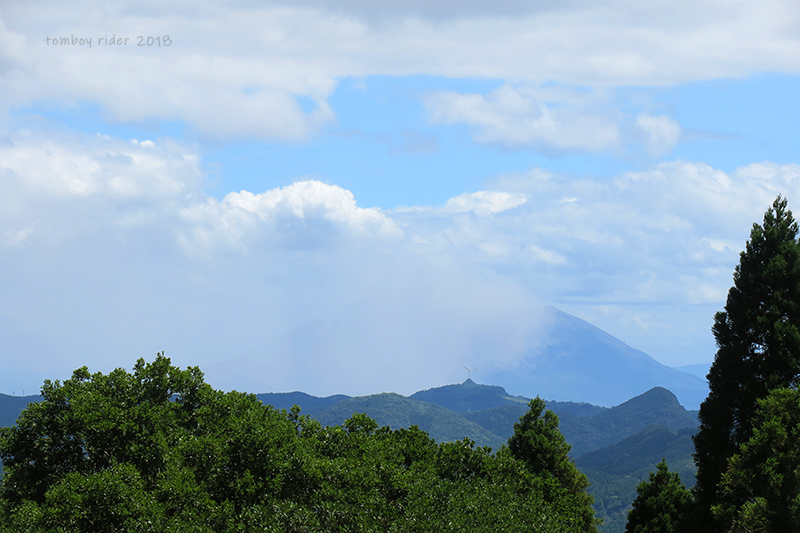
x: 445, y: 166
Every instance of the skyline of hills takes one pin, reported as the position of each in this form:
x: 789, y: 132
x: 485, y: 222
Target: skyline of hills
x: 616, y: 447
x: 561, y: 358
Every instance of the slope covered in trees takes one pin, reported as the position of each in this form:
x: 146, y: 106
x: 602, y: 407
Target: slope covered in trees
x: 613, y: 482
x: 396, y: 411
x: 616, y: 471
x: 159, y: 450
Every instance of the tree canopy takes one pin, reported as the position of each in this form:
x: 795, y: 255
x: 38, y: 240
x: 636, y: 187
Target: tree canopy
x: 758, y: 340
x: 761, y: 489
x: 661, y: 505
x: 539, y: 444
x: 159, y: 450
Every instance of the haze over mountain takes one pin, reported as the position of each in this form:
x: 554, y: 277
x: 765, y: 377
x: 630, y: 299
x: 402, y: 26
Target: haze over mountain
x: 701, y: 370
x: 577, y: 361
x: 533, y: 351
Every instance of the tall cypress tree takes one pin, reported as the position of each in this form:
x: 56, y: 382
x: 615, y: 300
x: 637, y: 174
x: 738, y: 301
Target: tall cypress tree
x: 758, y: 343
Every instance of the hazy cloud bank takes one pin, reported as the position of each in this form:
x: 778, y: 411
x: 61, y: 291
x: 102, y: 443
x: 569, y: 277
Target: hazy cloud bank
x: 112, y: 251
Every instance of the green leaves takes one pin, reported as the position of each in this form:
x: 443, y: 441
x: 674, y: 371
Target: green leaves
x: 539, y: 445
x: 761, y: 487
x: 662, y: 504
x: 758, y: 336
x: 159, y: 450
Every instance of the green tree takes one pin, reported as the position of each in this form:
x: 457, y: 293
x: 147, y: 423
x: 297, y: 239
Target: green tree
x: 661, y: 504
x: 758, y: 344
x: 159, y: 450
x: 761, y: 488
x: 539, y: 444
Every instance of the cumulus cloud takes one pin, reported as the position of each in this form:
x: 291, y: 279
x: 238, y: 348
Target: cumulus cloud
x: 89, y: 166
x: 104, y: 273
x: 304, y: 214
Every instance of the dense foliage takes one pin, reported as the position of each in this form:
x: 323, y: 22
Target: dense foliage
x: 758, y: 340
x: 761, y: 489
x: 662, y: 504
x: 615, y: 471
x: 539, y: 444
x: 160, y: 450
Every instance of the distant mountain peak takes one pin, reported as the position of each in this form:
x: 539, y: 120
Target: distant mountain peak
x: 655, y: 396
x: 574, y: 360
x: 467, y: 396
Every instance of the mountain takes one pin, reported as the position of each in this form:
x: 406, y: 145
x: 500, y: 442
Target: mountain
x: 395, y: 411
x: 536, y: 351
x: 642, y: 450
x: 487, y: 413
x: 579, y: 362
x: 701, y: 370
x: 656, y: 406
x: 615, y: 471
x: 12, y: 406
x: 586, y: 427
x: 309, y: 405
x: 469, y: 396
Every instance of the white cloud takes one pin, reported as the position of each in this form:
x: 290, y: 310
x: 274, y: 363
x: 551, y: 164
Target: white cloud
x: 304, y: 214
x: 769, y: 172
x: 50, y: 184
x: 520, y: 116
x: 267, y: 70
x: 554, y: 119
x: 484, y: 202
x: 96, y: 268
x: 86, y: 166
x: 662, y: 133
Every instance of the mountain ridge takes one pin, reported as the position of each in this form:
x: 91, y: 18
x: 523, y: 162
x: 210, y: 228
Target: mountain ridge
x: 554, y: 355
x: 578, y: 361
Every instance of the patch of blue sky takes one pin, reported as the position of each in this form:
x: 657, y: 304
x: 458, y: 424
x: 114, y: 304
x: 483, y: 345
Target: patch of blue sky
x: 89, y: 117
x: 385, y: 149
x: 731, y: 123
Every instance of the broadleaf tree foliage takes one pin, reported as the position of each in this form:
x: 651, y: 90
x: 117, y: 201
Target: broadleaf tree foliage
x: 758, y: 340
x: 159, y: 450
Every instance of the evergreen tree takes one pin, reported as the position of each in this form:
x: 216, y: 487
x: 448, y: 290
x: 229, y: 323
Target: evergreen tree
x: 758, y: 350
x: 539, y: 444
x: 661, y: 504
x: 761, y: 488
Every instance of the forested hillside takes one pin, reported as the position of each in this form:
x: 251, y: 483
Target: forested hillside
x: 159, y: 450
x: 616, y: 447
x: 638, y: 433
